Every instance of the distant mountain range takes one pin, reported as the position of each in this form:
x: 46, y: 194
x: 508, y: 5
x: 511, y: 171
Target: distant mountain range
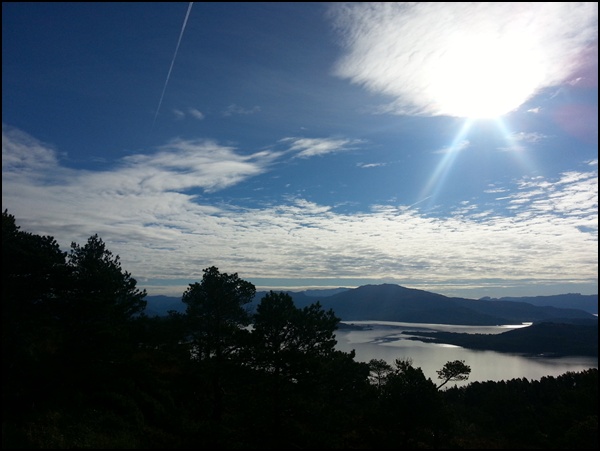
x: 565, y: 324
x: 389, y: 302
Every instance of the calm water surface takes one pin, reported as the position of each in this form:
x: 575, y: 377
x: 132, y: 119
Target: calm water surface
x: 385, y: 340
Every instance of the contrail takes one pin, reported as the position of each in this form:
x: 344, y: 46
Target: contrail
x: 173, y: 61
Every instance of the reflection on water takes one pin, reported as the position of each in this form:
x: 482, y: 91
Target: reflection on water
x: 385, y: 340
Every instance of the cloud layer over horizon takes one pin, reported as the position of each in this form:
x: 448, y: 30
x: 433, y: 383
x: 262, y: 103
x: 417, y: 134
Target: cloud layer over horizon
x: 538, y: 228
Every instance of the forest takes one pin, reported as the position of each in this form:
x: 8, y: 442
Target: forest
x: 85, y: 367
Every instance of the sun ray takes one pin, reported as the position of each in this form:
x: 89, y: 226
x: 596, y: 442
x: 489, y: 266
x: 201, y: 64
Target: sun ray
x: 438, y: 177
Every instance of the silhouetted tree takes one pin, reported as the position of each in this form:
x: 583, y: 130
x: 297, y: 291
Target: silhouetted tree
x: 453, y: 371
x: 215, y: 311
x: 309, y: 384
x: 287, y: 338
x: 410, y: 407
x: 67, y: 343
x: 379, y: 370
x: 216, y: 316
x: 550, y: 413
x: 33, y: 270
x: 97, y: 276
x: 99, y: 307
x: 274, y: 333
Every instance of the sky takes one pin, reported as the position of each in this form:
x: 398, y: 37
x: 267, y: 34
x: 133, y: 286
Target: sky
x: 447, y: 147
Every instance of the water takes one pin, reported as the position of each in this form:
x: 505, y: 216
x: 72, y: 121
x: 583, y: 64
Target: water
x: 383, y: 340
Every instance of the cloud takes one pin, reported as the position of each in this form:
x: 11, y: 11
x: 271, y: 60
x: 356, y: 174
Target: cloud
x: 148, y: 211
x: 531, y: 137
x: 310, y: 147
x: 515, y: 141
x: 22, y: 152
x: 193, y: 112
x: 186, y: 164
x: 370, y: 165
x: 179, y: 166
x: 437, y: 58
x: 196, y: 114
x: 234, y: 109
x: 178, y: 114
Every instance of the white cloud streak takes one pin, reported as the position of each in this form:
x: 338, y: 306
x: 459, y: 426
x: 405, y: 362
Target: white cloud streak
x: 311, y: 147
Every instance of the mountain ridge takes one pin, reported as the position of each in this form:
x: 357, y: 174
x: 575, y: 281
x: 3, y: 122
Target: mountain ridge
x: 391, y: 302
x: 589, y: 302
x: 554, y: 331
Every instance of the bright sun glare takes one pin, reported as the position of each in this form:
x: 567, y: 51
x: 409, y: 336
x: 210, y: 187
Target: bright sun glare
x: 485, y: 77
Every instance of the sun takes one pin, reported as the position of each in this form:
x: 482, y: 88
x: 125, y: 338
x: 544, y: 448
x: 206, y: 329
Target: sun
x: 484, y: 76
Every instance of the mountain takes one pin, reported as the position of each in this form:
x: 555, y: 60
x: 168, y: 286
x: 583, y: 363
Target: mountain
x: 389, y: 302
x: 546, y: 339
x: 589, y: 302
x: 159, y: 305
x: 325, y: 292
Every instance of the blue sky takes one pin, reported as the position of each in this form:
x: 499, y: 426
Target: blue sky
x: 450, y: 147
